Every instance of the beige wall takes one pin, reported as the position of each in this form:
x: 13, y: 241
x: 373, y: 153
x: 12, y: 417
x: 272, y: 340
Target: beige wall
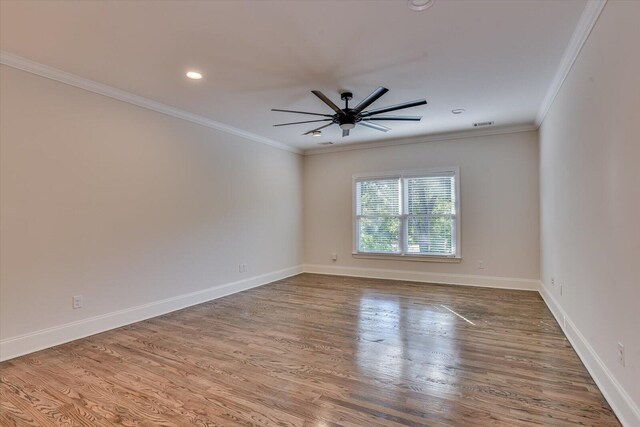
x: 127, y: 206
x: 499, y: 203
x: 590, y: 194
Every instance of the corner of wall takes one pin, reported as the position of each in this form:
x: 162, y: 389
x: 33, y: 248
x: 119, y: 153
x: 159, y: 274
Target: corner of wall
x: 425, y: 277
x: 625, y: 409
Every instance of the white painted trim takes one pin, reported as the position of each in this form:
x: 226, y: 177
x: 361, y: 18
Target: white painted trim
x: 587, y: 21
x: 427, y: 277
x: 618, y: 398
x: 409, y: 173
x: 472, y: 133
x: 590, y: 15
x: 56, y: 335
x: 42, y: 70
x: 411, y: 258
x: 52, y: 73
x: 625, y: 409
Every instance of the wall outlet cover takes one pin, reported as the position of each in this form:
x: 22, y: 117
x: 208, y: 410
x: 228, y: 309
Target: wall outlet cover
x: 77, y: 302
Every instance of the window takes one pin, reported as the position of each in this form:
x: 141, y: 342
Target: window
x: 408, y: 214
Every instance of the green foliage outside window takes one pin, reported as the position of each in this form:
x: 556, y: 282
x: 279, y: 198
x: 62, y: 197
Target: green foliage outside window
x: 429, y: 216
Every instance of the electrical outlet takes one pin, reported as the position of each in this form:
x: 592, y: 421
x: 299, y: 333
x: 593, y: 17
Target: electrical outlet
x: 621, y: 353
x: 245, y: 268
x: 240, y: 268
x: 553, y: 281
x: 334, y: 256
x: 77, y: 302
x: 481, y: 264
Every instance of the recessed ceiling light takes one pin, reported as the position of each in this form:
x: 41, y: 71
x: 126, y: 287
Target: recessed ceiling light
x: 458, y: 111
x: 420, y: 5
x: 316, y: 133
x: 194, y: 75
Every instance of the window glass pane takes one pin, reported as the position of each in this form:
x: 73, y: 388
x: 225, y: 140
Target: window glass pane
x: 422, y: 208
x: 431, y: 235
x: 432, y: 195
x: 379, y: 234
x: 379, y: 197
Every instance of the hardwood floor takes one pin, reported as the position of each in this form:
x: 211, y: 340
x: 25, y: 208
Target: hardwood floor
x: 317, y: 350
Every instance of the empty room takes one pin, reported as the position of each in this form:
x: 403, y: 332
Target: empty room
x: 319, y: 213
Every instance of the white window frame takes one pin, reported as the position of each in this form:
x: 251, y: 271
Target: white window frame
x: 401, y: 175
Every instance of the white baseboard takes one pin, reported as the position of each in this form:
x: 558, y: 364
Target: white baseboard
x: 420, y: 276
x: 45, y: 338
x: 625, y: 409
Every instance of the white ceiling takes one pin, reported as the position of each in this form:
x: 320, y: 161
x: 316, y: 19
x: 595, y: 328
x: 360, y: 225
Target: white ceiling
x: 496, y: 59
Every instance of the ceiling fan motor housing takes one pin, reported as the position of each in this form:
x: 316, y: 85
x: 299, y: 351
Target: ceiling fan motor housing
x: 348, y: 120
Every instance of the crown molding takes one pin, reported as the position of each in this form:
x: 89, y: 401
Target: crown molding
x: 589, y: 16
x: 422, y: 139
x: 52, y: 73
x: 587, y: 21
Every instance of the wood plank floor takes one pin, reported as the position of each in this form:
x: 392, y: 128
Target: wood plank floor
x: 317, y: 350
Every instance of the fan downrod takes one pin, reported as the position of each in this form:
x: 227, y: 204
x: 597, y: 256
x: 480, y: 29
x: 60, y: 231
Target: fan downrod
x: 346, y: 97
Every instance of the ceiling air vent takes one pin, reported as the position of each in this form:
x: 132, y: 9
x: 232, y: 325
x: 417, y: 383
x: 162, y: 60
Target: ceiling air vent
x: 482, y: 124
x: 325, y: 143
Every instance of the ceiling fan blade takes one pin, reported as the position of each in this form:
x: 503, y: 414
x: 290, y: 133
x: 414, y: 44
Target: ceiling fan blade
x: 299, y: 123
x: 301, y: 112
x: 321, y: 127
x: 373, y: 97
x: 327, y: 101
x: 345, y: 132
x: 375, y: 126
x: 398, y: 118
x: 394, y: 107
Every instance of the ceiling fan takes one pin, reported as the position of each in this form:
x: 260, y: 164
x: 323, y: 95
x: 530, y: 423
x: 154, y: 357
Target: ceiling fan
x: 347, y: 118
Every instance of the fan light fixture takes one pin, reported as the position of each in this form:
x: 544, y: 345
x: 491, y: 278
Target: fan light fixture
x: 348, y: 117
x: 194, y: 75
x: 420, y: 5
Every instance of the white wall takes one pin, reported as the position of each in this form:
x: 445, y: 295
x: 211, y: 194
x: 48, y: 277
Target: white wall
x: 590, y: 204
x: 128, y: 206
x: 499, y: 208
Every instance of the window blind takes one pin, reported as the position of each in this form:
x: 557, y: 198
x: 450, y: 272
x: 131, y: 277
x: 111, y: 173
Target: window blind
x: 431, y: 215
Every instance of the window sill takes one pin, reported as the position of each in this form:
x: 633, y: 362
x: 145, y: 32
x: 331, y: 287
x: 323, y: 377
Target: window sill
x: 396, y: 257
